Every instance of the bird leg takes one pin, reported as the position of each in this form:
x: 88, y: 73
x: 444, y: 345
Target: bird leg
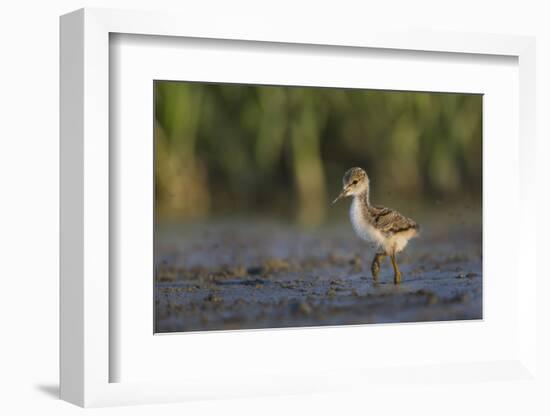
x: 375, y: 268
x: 397, y: 273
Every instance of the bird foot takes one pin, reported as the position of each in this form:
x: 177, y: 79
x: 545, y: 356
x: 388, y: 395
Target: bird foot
x: 375, y: 269
x: 397, y: 278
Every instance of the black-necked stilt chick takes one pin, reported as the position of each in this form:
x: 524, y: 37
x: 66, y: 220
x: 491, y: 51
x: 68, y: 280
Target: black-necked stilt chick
x: 390, y: 230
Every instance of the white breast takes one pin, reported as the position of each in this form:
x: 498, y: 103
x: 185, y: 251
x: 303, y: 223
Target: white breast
x: 362, y: 227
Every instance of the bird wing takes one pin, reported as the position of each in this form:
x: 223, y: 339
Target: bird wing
x: 389, y: 221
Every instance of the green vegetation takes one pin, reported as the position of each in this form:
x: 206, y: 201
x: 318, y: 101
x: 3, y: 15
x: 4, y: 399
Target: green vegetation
x: 226, y: 149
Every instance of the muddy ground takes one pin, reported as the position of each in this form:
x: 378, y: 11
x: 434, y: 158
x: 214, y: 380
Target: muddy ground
x: 242, y: 275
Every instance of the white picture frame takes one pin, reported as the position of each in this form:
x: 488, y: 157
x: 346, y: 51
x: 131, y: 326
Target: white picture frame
x: 87, y: 356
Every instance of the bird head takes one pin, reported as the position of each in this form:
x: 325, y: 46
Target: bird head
x: 355, y: 182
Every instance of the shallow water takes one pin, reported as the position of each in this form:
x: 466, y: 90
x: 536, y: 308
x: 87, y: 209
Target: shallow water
x: 229, y: 275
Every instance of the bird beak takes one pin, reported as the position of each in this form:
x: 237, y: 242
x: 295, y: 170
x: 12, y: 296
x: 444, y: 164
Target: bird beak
x: 339, y: 197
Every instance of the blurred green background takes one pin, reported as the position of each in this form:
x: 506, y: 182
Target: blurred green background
x: 239, y: 150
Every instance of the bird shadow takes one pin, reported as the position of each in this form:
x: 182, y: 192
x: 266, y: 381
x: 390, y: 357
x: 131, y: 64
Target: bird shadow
x: 51, y: 390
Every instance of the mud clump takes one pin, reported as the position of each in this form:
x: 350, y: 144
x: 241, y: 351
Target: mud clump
x: 300, y: 308
x: 274, y: 264
x: 213, y: 298
x: 331, y: 292
x: 431, y: 297
x: 468, y: 275
x: 167, y: 274
x: 255, y: 270
x: 460, y: 298
x: 238, y: 271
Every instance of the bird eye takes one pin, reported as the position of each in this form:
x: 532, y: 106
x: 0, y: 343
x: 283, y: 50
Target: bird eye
x: 354, y: 182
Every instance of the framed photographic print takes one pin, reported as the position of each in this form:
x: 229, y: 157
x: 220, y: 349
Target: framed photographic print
x: 285, y: 213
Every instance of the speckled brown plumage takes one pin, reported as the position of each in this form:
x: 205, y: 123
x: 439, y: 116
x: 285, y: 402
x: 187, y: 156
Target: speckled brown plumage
x: 388, y: 220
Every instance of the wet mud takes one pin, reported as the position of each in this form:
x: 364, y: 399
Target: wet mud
x: 226, y: 276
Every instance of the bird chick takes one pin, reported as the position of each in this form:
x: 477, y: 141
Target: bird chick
x: 390, y: 230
